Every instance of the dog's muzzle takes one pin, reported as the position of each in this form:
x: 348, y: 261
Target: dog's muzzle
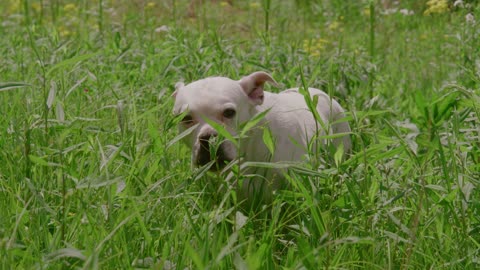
x: 205, y: 155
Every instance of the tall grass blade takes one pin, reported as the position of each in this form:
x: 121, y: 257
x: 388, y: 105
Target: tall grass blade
x: 12, y: 85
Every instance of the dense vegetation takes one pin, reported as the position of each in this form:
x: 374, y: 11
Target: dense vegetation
x: 92, y: 175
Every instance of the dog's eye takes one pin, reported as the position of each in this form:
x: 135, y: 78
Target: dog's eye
x: 229, y: 113
x: 187, y: 120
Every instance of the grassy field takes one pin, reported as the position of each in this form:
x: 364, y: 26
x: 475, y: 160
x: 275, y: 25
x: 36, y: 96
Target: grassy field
x: 92, y: 175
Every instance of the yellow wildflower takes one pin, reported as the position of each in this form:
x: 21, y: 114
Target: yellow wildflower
x: 150, y: 4
x: 314, y: 47
x: 70, y: 8
x: 63, y: 32
x: 254, y: 5
x: 36, y: 6
x: 334, y: 26
x: 13, y: 6
x: 315, y: 53
x: 366, y: 12
x: 436, y: 6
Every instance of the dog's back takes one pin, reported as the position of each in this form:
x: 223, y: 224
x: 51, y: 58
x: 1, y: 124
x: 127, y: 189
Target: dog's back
x: 294, y: 123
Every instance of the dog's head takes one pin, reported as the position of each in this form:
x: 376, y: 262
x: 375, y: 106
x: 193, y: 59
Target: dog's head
x: 224, y: 101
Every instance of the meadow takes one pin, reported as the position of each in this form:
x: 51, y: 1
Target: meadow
x: 93, y: 175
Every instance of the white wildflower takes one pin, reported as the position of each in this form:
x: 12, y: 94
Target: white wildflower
x: 470, y: 18
x: 162, y: 28
x: 458, y: 3
x: 390, y: 11
x: 406, y: 12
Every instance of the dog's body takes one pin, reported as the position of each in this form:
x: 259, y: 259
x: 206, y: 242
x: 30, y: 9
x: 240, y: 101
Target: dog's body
x: 293, y: 125
x: 231, y: 103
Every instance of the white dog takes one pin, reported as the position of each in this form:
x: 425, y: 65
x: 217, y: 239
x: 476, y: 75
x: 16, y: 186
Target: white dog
x: 231, y: 103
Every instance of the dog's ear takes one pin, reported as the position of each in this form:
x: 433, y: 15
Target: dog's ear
x: 177, y: 87
x: 253, y: 85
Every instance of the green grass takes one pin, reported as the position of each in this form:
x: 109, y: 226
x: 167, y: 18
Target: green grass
x: 90, y: 178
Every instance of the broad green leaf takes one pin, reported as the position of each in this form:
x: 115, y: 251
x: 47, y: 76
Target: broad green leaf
x: 177, y: 138
x: 51, y: 95
x: 70, y: 61
x: 228, y: 248
x: 69, y: 252
x: 60, y: 113
x: 450, y: 197
x: 42, y: 162
x: 38, y: 160
x: 253, y: 122
x: 338, y: 156
x: 443, y: 107
x: 222, y: 131
x: 197, y: 260
x: 268, y: 140
x: 12, y: 85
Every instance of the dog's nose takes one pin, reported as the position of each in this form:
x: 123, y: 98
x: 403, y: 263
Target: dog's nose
x: 206, y: 137
x: 205, y: 140
x: 204, y: 155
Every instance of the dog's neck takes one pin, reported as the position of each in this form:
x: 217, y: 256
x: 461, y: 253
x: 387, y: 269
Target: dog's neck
x: 253, y: 143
